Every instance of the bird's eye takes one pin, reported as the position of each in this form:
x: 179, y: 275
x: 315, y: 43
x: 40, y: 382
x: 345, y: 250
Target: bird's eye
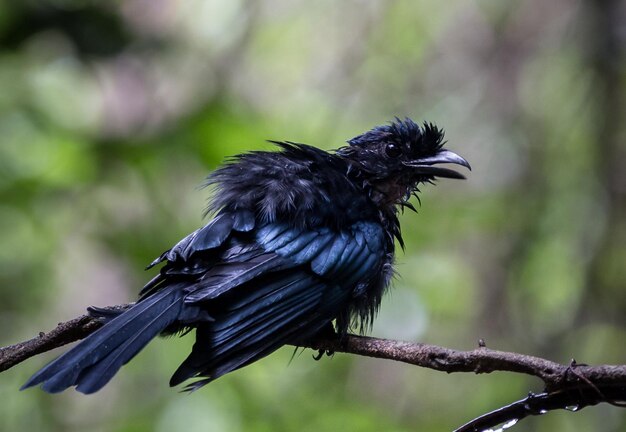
x: 393, y: 150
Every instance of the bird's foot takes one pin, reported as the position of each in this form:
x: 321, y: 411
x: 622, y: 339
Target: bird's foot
x: 325, y: 334
x: 321, y: 352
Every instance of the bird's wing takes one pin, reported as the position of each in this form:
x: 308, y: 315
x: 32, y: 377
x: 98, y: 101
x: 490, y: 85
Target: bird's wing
x: 345, y: 255
x: 340, y: 256
x: 202, y: 249
x: 285, y: 285
x: 211, y: 236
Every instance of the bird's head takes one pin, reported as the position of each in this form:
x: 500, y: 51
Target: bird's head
x: 394, y: 159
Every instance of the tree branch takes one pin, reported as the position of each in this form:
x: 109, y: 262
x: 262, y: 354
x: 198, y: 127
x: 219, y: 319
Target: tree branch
x: 566, y: 386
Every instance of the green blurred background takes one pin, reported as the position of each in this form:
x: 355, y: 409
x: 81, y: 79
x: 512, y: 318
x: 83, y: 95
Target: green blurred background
x: 112, y: 113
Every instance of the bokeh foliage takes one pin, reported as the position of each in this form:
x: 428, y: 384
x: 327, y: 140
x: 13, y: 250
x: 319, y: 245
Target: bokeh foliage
x: 112, y: 113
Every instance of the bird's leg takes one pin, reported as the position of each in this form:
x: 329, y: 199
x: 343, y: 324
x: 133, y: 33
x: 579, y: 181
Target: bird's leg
x: 327, y: 332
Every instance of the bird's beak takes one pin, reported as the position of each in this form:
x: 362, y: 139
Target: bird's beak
x: 425, y: 165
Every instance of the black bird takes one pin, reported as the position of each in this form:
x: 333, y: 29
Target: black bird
x: 300, y: 239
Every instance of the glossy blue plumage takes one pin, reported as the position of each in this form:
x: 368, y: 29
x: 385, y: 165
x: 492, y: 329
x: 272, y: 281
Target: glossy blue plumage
x: 300, y: 239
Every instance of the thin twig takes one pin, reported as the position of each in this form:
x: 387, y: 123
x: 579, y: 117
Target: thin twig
x: 572, y: 385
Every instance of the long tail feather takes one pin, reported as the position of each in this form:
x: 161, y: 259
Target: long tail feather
x: 93, y: 362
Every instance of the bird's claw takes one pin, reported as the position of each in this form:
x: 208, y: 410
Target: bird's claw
x: 320, y: 354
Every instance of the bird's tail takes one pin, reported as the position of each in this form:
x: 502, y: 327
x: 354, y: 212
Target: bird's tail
x: 93, y: 362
